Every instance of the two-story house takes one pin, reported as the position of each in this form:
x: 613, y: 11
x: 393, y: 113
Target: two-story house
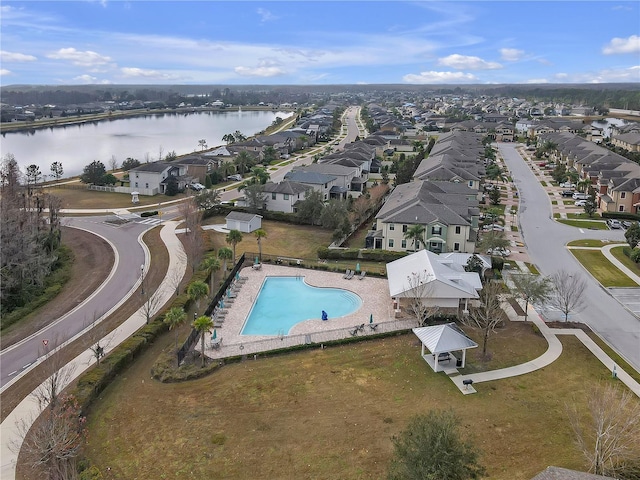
x: 318, y: 181
x: 152, y: 177
x: 283, y: 196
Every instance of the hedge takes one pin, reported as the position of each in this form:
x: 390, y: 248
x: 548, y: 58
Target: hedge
x: 357, y: 254
x: 621, y: 215
x: 149, y: 214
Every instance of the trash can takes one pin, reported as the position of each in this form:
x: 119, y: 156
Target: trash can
x: 458, y: 362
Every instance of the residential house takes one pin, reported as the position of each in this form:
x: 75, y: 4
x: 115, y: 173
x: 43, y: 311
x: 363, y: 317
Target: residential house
x: 448, y: 212
x: 153, y: 177
x: 346, y: 179
x: 245, y: 222
x: 283, y: 196
x: 198, y: 166
x: 320, y: 182
x: 628, y: 141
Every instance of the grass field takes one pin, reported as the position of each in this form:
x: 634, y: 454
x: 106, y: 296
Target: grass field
x: 331, y: 413
x: 602, y: 269
x: 626, y: 261
x: 589, y: 243
x: 592, y: 225
x: 82, y: 198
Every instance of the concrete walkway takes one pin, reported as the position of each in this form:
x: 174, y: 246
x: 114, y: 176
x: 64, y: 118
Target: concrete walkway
x: 606, y: 251
x: 28, y: 410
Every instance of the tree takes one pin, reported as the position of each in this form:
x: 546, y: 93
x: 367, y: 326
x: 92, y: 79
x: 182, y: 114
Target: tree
x: 171, y: 156
x: 607, y: 430
x: 567, y: 293
x: 633, y: 234
x: 488, y: 315
x: 421, y: 285
x: 590, y: 206
x: 212, y: 265
x: 207, y: 199
x: 269, y: 154
x: 228, y: 138
x: 493, y: 240
x: 431, y: 448
x: 151, y: 304
x: 415, y: 233
x: 260, y: 234
x: 310, y: 209
x: 242, y: 162
x: 56, y: 170
x: 239, y: 136
x: 494, y: 196
x: 260, y: 175
x: 202, y: 143
x: 474, y: 264
x: 173, y: 319
x: 33, y: 174
x: 193, y: 242
x: 113, y: 163
x: 94, y: 173
x: 583, y: 184
x: 333, y: 214
x: 203, y: 325
x: 233, y: 238
x: 172, y: 187
x: 197, y: 290
x: 530, y: 288
x: 255, y: 197
x: 130, y: 163
x: 226, y: 254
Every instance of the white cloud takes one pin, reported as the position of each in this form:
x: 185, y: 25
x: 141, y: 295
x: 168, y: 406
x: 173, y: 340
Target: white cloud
x: 134, y: 72
x: 439, y: 77
x: 265, y: 15
x: 537, y: 80
x: 464, y: 62
x: 86, y: 79
x: 15, y: 57
x: 4, y: 71
x: 83, y: 59
x: 622, y: 45
x: 561, y: 75
x: 511, y: 54
x: 261, y: 71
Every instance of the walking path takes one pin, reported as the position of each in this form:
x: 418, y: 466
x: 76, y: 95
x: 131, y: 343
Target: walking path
x: 28, y: 410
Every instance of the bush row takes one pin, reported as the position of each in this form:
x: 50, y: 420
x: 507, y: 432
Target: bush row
x: 632, y: 253
x: 621, y: 215
x: 149, y: 214
x: 357, y: 254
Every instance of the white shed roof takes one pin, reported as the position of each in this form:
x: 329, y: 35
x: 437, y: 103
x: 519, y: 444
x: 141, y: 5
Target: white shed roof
x: 444, y: 338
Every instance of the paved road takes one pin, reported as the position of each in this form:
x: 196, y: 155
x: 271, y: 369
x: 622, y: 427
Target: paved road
x: 17, y: 359
x: 546, y: 240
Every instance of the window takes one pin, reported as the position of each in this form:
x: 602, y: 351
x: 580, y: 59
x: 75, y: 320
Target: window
x: 286, y: 196
x: 137, y: 176
x: 456, y: 247
x: 404, y: 229
x: 471, y: 183
x: 136, y: 184
x: 404, y: 244
x: 273, y: 196
x: 458, y: 229
x: 392, y: 226
x: 621, y: 209
x: 623, y: 194
x: 146, y: 185
x: 391, y: 242
x: 437, y: 230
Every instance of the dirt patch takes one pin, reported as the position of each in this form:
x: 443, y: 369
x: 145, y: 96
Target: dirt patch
x: 93, y: 260
x: 157, y: 271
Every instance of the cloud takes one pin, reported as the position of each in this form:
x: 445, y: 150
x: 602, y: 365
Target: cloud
x: 86, y: 79
x: 15, y: 57
x: 261, y: 71
x: 622, y: 45
x: 537, y: 80
x: 511, y: 54
x: 83, y: 59
x: 134, y: 72
x: 4, y: 71
x: 265, y: 15
x: 439, y: 77
x: 464, y: 62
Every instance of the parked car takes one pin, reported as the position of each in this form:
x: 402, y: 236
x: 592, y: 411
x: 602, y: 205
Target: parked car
x: 495, y: 227
x: 196, y: 186
x: 567, y: 185
x: 580, y: 203
x: 614, y: 223
x: 568, y: 193
x: 580, y: 196
x: 499, y: 252
x: 236, y: 176
x: 626, y: 224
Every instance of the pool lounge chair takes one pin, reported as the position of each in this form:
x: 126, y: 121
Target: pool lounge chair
x: 362, y: 275
x: 347, y: 273
x: 351, y: 275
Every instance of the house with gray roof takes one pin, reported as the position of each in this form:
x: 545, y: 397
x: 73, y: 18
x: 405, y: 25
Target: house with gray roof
x: 153, y: 177
x: 318, y: 181
x: 283, y: 196
x: 448, y: 212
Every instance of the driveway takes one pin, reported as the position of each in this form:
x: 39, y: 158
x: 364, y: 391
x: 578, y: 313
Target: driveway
x: 546, y: 241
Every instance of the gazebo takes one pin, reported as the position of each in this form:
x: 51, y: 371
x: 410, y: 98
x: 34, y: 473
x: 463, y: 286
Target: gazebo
x: 441, y: 340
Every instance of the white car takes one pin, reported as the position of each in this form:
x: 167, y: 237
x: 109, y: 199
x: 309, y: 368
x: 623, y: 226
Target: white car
x: 499, y: 252
x: 495, y: 227
x: 197, y: 186
x: 580, y: 203
x: 567, y: 185
x: 235, y: 176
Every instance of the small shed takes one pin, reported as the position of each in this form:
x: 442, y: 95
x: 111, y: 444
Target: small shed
x: 245, y: 222
x: 441, y: 340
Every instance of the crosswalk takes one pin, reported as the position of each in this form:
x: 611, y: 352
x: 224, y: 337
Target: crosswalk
x: 150, y: 221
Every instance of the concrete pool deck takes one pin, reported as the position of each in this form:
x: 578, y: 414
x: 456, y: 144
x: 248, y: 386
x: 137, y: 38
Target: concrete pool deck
x: 373, y: 291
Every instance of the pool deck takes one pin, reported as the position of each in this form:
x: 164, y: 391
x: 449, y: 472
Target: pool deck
x: 373, y: 291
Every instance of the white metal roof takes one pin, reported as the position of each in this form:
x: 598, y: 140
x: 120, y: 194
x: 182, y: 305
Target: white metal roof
x: 444, y: 338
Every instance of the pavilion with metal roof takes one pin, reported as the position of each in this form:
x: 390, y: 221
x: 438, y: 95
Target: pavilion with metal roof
x: 441, y: 340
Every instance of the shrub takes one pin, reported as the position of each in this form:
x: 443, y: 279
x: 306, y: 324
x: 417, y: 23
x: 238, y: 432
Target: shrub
x: 149, y: 214
x: 635, y: 256
x: 628, y: 251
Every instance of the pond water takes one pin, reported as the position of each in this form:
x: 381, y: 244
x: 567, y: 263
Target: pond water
x: 144, y: 138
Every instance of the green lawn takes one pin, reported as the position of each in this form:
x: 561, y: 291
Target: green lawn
x: 591, y: 225
x: 331, y: 413
x: 583, y: 215
x: 587, y: 242
x: 626, y: 261
x: 602, y: 269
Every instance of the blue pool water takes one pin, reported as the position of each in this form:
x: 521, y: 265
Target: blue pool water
x: 284, y: 301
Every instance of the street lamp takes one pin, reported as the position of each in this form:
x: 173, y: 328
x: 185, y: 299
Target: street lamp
x: 142, y: 278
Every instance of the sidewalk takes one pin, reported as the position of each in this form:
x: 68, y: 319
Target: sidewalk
x: 28, y: 409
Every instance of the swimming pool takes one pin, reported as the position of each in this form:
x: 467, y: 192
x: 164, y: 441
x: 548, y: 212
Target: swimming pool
x: 284, y: 301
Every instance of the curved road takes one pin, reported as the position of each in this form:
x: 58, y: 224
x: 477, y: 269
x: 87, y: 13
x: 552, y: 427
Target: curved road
x: 546, y: 242
x: 17, y: 359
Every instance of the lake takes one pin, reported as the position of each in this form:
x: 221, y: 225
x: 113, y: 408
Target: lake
x: 144, y: 138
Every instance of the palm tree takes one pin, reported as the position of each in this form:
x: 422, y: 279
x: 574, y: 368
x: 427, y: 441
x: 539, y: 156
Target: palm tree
x: 203, y: 325
x: 202, y: 143
x: 583, y: 184
x: 226, y: 254
x: 415, y: 233
x: 260, y: 234
x: 242, y: 162
x: 234, y: 237
x: 239, y: 136
x: 228, y: 138
x: 212, y: 265
x: 197, y: 290
x: 174, y: 318
x: 260, y: 175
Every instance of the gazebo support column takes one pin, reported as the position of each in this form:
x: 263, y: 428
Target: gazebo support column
x: 464, y: 357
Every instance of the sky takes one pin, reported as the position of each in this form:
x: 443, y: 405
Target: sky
x: 318, y: 43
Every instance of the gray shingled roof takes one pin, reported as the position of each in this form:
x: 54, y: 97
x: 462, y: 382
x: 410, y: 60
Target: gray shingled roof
x: 152, y: 167
x: 557, y: 473
x: 290, y: 188
x: 241, y: 216
x: 311, y: 178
